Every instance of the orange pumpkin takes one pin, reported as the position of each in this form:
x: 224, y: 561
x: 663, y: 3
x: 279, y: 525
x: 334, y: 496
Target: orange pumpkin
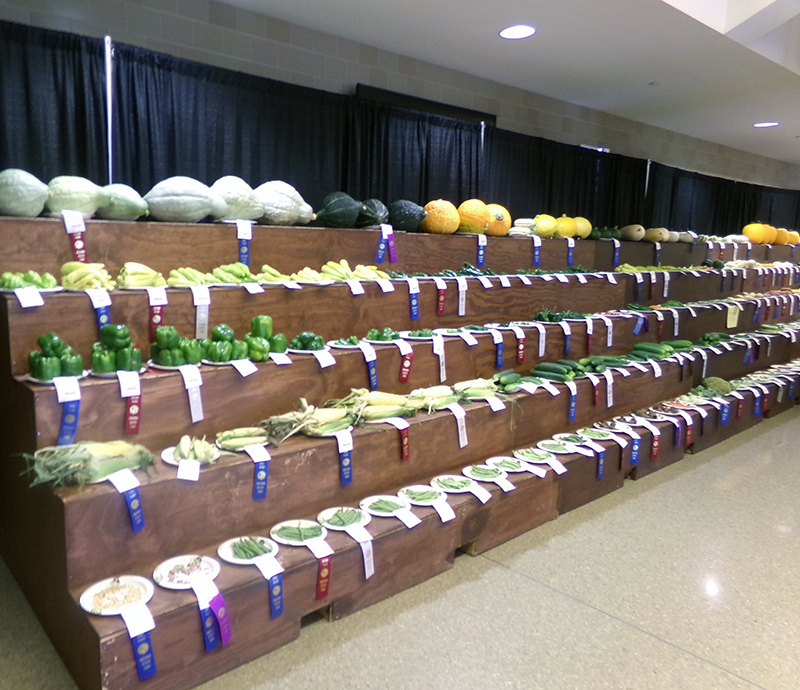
x: 770, y: 234
x: 475, y: 217
x: 500, y: 220
x: 782, y: 236
x: 442, y: 218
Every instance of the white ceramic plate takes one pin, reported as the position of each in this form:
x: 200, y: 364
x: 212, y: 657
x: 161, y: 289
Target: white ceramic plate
x: 178, y: 572
x: 108, y: 597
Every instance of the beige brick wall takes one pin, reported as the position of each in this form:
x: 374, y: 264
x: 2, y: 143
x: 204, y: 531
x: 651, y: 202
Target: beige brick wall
x: 211, y: 32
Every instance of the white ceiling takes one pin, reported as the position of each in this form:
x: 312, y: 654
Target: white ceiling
x: 645, y: 60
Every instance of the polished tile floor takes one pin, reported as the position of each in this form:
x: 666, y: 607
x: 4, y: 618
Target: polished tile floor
x: 687, y: 579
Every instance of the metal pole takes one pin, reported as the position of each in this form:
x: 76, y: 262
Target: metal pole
x: 109, y: 45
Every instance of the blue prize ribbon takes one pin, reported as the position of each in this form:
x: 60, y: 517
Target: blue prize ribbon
x: 748, y: 354
x: 757, y: 313
x: 615, y: 259
x: 635, y: 445
x: 134, y: 501
x: 209, y: 622
x: 498, y: 358
x: 678, y: 430
x: 724, y: 414
x: 757, y: 411
x: 276, y: 595
x: 481, y: 255
x: 143, y: 651
x: 658, y: 256
x: 103, y: 317
x: 346, y: 467
x: 637, y: 329
x: 69, y: 422
x: 413, y: 301
x: 567, y: 337
x: 760, y: 280
x: 570, y: 253
x: 244, y: 251
x: 260, y: 480
x: 639, y: 291
x: 381, y: 253
x: 601, y: 464
x: 792, y: 391
x: 573, y: 406
x: 537, y: 253
x: 373, y: 375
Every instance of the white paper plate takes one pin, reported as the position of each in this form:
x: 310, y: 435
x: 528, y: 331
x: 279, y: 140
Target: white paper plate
x: 225, y: 550
x: 303, y: 524
x: 506, y: 463
x: 462, y: 484
x: 407, y: 492
x: 178, y: 572
x: 403, y: 504
x: 324, y: 518
x: 112, y: 375
x: 556, y: 447
x: 168, y: 456
x: 307, y: 352
x: 41, y: 382
x: 537, y: 456
x: 469, y: 471
x: 130, y: 589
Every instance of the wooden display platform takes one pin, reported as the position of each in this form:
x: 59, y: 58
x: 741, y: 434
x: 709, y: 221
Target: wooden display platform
x: 87, y: 531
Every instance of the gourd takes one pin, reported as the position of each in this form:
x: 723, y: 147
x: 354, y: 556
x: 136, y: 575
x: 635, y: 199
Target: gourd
x: 770, y: 234
x: 686, y: 236
x: 21, y: 194
x: 673, y: 236
x: 303, y: 212
x: 125, y: 203
x: 474, y: 215
x: 183, y: 199
x: 374, y: 212
x: 500, y: 220
x: 656, y: 235
x: 442, y: 218
x: 754, y: 232
x: 339, y: 210
x: 794, y: 237
x: 632, y: 233
x: 242, y: 204
x: 281, y: 204
x: 565, y: 227
x: 544, y: 225
x: 73, y: 193
x: 584, y: 227
x: 405, y: 215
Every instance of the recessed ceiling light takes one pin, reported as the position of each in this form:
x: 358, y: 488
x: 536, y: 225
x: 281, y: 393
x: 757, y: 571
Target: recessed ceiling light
x: 766, y: 124
x: 517, y: 31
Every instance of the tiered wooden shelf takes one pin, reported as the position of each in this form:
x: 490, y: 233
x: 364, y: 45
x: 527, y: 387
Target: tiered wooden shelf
x: 58, y: 542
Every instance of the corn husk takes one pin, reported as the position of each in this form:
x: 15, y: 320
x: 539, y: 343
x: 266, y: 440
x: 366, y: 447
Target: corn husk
x: 86, y: 462
x: 308, y: 420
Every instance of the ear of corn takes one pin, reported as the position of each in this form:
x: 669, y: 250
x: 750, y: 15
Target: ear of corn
x: 432, y: 392
x: 380, y: 398
x: 86, y: 462
x: 371, y: 413
x: 474, y: 384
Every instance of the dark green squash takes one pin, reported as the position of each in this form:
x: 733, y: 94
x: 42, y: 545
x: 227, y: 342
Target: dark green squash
x: 373, y: 213
x: 339, y: 210
x: 406, y: 215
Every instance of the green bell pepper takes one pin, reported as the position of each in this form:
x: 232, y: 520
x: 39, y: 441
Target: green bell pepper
x: 240, y: 349
x: 219, y: 351
x: 171, y: 357
x: 278, y: 343
x: 223, y: 333
x: 373, y: 334
x: 115, y: 336
x: 51, y: 345
x: 257, y: 347
x: 46, y: 368
x: 192, y: 350
x: 295, y: 344
x: 71, y: 364
x: 104, y: 360
x: 128, y: 358
x: 261, y: 326
x: 167, y: 337
x: 13, y: 281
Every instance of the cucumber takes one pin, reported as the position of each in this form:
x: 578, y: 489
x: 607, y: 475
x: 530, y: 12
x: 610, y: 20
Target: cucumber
x: 506, y: 379
x: 552, y: 368
x: 552, y: 376
x: 658, y: 348
x: 572, y: 364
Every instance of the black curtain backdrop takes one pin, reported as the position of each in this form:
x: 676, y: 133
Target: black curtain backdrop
x: 682, y: 200
x: 52, y: 103
x: 176, y: 117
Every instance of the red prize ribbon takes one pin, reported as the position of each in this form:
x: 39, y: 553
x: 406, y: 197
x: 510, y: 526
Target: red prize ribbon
x: 405, y: 367
x: 133, y: 414
x: 156, y: 319
x: 323, y: 577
